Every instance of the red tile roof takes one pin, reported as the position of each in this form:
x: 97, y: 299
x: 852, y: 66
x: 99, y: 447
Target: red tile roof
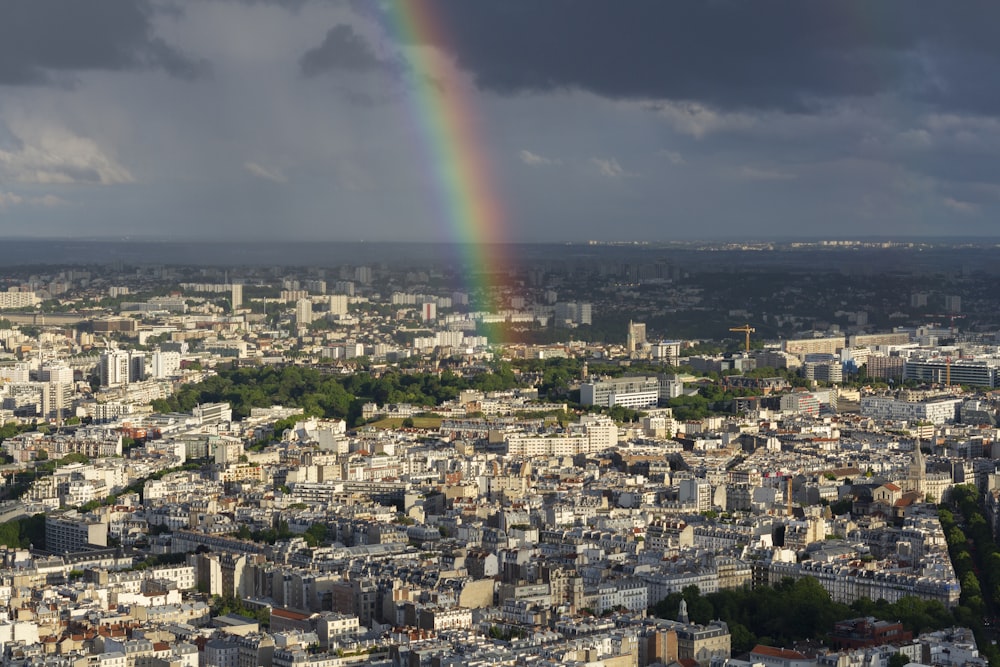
x: 292, y: 615
x: 784, y: 653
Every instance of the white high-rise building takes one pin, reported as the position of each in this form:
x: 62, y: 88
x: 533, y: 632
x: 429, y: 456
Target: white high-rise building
x: 114, y: 368
x: 696, y: 491
x: 56, y: 398
x: 363, y: 274
x: 576, y: 313
x: 19, y: 371
x: 118, y: 367
x: 316, y: 286
x: 14, y: 298
x: 166, y: 364
x: 303, y: 312
x: 428, y: 312
x: 634, y: 392
x: 338, y: 304
x: 236, y: 295
x: 55, y: 373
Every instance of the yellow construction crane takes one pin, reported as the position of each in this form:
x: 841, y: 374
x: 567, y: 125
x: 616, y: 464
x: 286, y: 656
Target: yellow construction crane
x: 747, y: 329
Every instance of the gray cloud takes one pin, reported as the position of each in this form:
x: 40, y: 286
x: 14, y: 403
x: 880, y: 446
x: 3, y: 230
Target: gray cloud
x: 9, y: 142
x: 268, y: 174
x: 56, y: 156
x: 960, y: 206
x: 10, y: 199
x: 610, y: 167
x: 42, y: 40
x: 776, y: 54
x: 534, y: 159
x: 646, y: 119
x: 342, y: 49
x: 749, y: 173
x: 294, y: 5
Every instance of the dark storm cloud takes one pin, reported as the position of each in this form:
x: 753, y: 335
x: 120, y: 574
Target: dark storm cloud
x: 342, y: 49
x: 783, y: 54
x: 287, y: 4
x: 40, y: 39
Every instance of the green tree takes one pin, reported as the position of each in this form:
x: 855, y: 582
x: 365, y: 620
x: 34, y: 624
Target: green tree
x: 24, y: 532
x: 741, y: 639
x: 316, y: 534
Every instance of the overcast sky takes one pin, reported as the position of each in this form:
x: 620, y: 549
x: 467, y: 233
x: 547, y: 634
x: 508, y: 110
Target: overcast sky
x: 609, y: 120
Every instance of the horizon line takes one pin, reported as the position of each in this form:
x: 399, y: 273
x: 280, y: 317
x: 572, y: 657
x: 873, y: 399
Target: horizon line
x: 576, y: 242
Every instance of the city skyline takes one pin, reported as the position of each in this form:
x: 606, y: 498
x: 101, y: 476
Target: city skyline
x: 503, y: 122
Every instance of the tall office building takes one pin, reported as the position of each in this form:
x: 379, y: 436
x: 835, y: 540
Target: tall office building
x: 575, y: 313
x: 293, y: 295
x: 428, y: 312
x: 669, y: 351
x: 344, y: 287
x: 303, y: 312
x: 136, y: 366
x: 57, y: 397
x: 166, y: 364
x: 363, y: 274
x: 55, y: 373
x: 114, y: 368
x: 57, y: 389
x: 13, y: 298
x: 338, y: 304
x: 19, y: 371
x: 118, y: 367
x: 316, y: 286
x: 697, y: 492
x: 73, y: 532
x: 236, y: 295
x: 630, y: 391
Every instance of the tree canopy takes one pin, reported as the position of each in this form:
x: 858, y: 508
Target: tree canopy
x: 794, y: 610
x: 324, y: 395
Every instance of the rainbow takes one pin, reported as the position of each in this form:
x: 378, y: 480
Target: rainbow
x: 447, y: 125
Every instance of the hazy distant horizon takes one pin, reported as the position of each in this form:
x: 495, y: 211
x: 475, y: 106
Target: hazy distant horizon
x: 923, y: 255
x: 693, y: 240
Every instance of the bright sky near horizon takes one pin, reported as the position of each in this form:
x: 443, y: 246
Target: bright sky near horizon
x: 500, y: 120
